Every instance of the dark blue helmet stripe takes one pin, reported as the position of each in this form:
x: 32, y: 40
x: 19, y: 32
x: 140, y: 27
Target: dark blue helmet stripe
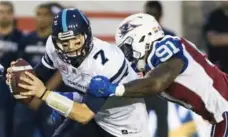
x: 64, y: 23
x: 84, y: 17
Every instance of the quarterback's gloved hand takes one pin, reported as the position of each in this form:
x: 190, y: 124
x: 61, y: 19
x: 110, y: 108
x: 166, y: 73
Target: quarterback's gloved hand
x: 100, y: 86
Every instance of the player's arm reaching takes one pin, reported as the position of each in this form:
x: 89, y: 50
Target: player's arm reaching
x: 167, y: 57
x: 156, y: 80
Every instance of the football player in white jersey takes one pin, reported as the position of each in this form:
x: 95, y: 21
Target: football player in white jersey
x: 179, y: 72
x: 79, y: 56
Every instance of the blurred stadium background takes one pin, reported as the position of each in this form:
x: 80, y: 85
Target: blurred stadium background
x: 104, y: 15
x: 185, y: 18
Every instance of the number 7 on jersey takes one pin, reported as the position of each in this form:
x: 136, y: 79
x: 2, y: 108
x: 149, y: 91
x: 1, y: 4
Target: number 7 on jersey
x: 101, y: 54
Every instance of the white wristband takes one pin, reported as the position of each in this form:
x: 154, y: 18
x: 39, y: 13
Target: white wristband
x: 60, y: 103
x: 120, y: 89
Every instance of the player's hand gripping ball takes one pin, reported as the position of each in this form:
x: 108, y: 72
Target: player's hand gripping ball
x: 14, y: 72
x: 25, y: 82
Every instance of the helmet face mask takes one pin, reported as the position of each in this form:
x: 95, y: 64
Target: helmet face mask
x: 127, y: 48
x: 72, y: 36
x: 73, y: 46
x: 72, y: 51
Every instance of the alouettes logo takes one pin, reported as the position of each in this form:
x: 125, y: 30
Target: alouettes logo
x: 127, y: 27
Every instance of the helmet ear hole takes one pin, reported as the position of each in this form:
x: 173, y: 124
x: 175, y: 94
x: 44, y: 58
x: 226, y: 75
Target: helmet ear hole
x: 147, y: 47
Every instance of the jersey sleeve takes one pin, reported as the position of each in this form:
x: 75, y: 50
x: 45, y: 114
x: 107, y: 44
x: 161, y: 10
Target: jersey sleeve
x: 116, y: 66
x: 165, y: 49
x: 47, y: 59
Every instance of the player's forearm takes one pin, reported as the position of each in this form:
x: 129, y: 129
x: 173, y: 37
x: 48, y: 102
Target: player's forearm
x: 81, y: 113
x: 156, y: 81
x: 68, y: 108
x: 140, y: 88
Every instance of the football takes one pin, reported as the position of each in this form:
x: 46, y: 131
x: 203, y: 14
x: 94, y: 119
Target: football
x: 19, y: 70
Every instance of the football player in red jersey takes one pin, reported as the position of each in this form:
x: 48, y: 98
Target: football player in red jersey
x: 179, y: 72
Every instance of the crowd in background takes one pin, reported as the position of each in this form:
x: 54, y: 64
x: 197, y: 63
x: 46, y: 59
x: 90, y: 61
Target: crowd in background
x: 17, y: 120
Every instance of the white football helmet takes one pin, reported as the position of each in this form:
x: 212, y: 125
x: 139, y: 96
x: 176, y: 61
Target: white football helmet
x: 135, y: 36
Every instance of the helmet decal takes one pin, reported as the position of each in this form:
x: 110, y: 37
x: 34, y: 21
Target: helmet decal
x: 66, y: 35
x: 64, y: 23
x: 127, y: 27
x: 84, y: 17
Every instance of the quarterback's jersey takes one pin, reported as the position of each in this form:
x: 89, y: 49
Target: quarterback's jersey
x: 200, y: 86
x: 119, y: 116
